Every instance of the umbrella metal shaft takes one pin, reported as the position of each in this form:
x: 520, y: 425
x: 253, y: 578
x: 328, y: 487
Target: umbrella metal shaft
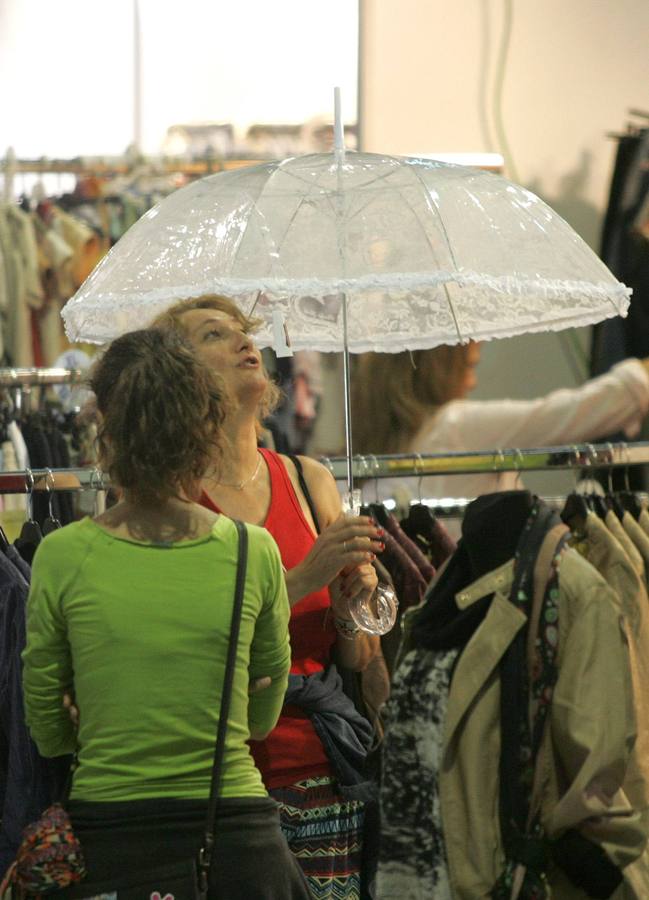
x: 348, y: 405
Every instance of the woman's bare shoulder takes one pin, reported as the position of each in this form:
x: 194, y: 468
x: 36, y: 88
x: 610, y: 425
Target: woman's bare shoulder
x: 321, y: 484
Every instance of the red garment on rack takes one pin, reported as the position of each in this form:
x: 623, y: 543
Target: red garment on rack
x: 293, y: 751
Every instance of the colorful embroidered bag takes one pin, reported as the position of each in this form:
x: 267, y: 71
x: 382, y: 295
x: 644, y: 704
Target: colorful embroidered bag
x: 49, y: 858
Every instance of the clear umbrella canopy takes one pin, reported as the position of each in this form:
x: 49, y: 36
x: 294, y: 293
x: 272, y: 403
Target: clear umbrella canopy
x: 423, y: 252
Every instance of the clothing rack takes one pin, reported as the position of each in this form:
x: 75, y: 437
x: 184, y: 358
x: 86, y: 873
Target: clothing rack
x: 108, y: 167
x: 577, y: 456
x: 34, y: 377
x: 32, y: 480
x: 23, y: 380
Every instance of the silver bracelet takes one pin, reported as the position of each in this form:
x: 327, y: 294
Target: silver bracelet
x: 346, y: 628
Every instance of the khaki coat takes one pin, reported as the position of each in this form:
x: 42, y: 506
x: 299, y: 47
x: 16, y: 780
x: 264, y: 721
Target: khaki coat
x: 608, y: 556
x: 583, y: 759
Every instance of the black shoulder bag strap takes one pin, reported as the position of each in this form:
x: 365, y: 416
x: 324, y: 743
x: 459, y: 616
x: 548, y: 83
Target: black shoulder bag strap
x: 205, y: 854
x: 305, y: 490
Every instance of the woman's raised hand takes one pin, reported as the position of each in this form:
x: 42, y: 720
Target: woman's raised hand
x: 349, y: 542
x: 357, y: 584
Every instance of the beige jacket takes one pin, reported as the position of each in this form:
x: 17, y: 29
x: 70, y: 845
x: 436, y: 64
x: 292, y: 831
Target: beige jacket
x: 643, y: 521
x: 608, y: 556
x: 585, y: 751
x: 621, y: 535
x: 639, y: 537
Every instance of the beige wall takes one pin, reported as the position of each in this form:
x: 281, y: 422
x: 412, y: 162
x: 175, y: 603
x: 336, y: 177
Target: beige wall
x: 427, y: 73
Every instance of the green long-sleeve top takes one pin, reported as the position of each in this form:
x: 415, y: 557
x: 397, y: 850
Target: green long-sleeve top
x: 140, y: 632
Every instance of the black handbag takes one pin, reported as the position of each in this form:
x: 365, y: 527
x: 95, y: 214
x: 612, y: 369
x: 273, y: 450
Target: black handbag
x: 189, y: 879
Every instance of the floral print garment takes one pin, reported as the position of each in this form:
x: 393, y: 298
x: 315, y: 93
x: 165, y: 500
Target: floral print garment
x: 412, y: 863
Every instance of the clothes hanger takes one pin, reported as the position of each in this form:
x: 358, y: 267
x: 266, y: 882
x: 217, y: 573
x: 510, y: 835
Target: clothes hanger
x: 30, y: 534
x: 612, y: 498
x: 627, y: 499
x: 51, y: 523
x: 576, y: 508
x: 375, y: 509
x: 97, y: 482
x: 420, y: 522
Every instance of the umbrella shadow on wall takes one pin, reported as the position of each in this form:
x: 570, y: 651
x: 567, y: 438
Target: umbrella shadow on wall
x: 572, y: 204
x: 571, y: 201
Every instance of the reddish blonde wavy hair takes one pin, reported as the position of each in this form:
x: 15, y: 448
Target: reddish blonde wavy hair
x: 172, y: 319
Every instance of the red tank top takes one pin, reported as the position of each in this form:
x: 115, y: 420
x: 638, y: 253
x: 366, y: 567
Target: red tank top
x: 293, y: 751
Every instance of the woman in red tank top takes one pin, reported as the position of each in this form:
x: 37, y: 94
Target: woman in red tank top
x: 323, y: 574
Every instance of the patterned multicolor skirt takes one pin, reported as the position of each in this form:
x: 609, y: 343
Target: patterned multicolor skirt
x: 324, y: 832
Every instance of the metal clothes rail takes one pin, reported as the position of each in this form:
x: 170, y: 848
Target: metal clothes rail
x: 32, y: 480
x: 34, y: 377
x: 21, y: 381
x: 577, y: 456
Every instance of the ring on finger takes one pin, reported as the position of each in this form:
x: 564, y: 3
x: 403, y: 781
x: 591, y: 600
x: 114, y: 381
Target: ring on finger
x: 344, y: 546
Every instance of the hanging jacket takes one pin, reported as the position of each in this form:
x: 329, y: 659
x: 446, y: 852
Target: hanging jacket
x: 585, y: 749
x: 30, y: 781
x: 639, y: 538
x: 607, y: 555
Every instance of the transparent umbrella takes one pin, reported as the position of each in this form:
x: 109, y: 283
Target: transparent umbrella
x: 354, y: 252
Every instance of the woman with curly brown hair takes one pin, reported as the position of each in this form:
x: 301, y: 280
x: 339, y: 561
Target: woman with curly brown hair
x: 132, y: 612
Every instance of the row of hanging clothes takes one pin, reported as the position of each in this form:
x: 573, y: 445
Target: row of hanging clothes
x: 51, y: 242
x: 46, y: 253
x: 40, y: 429
x: 28, y: 781
x: 517, y: 716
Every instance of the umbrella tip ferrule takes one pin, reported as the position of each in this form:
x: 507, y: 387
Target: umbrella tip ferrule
x: 339, y: 132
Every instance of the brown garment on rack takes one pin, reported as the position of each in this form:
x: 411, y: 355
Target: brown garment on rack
x: 422, y: 562
x: 410, y: 588
x: 442, y: 545
x: 608, y: 556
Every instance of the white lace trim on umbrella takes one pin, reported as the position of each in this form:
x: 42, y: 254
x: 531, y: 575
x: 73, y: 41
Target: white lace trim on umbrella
x: 448, y: 306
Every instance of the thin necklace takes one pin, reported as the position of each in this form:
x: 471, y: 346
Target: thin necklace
x: 240, y: 485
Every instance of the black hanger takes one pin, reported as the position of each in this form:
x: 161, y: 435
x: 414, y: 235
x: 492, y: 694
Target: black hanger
x: 51, y: 523
x: 598, y: 505
x: 420, y: 526
x: 420, y: 520
x: 575, y: 511
x: 30, y: 534
x: 613, y: 503
x: 629, y: 501
x: 379, y: 513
